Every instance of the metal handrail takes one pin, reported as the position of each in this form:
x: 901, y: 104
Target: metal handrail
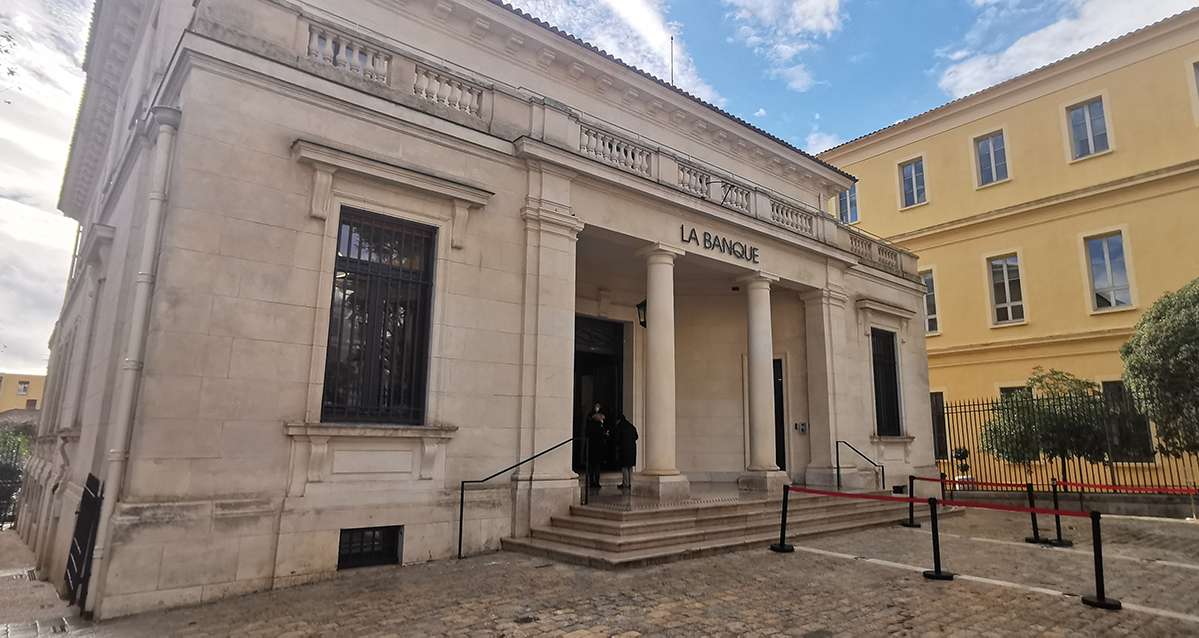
x: 462, y: 486
x: 866, y: 458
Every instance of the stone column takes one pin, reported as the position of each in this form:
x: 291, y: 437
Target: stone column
x: 827, y: 344
x: 661, y: 477
x: 763, y: 473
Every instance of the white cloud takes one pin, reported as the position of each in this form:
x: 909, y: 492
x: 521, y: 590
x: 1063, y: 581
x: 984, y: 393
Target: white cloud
x: 761, y: 112
x: 780, y: 30
x: 797, y: 77
x: 636, y: 31
x: 1080, y: 24
x: 819, y: 141
x: 37, y: 110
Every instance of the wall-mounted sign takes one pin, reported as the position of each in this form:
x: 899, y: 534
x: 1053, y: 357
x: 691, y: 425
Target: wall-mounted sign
x: 722, y: 245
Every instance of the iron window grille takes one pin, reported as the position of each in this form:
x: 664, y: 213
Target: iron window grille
x: 368, y: 546
x: 376, y: 367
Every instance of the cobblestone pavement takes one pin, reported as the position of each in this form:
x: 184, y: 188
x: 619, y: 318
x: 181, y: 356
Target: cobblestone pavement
x: 750, y: 593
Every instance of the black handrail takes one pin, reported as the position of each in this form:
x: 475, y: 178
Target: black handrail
x: 859, y: 453
x: 462, y: 486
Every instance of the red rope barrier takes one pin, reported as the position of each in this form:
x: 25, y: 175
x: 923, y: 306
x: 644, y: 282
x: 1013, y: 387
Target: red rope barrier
x: 971, y: 482
x: 953, y: 503
x: 1014, y: 508
x: 1151, y: 489
x: 871, y: 497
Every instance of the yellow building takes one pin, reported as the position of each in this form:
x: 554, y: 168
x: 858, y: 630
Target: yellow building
x: 1048, y: 211
x: 21, y: 391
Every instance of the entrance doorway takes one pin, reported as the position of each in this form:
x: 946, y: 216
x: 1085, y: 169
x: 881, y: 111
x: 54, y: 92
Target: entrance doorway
x: 780, y: 424
x: 599, y: 377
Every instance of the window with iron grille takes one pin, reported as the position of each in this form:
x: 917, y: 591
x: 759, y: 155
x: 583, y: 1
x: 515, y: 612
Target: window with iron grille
x: 366, y: 546
x: 376, y: 367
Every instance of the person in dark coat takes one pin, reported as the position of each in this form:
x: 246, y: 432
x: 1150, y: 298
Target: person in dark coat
x: 626, y: 443
x: 596, y: 428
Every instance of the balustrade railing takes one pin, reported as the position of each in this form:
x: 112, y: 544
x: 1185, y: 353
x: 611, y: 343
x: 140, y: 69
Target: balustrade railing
x: 614, y: 151
x: 694, y: 181
x: 735, y: 197
x: 447, y: 90
x: 338, y: 50
x: 791, y: 217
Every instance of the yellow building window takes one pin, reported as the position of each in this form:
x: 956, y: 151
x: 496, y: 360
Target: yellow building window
x: 1109, y: 273
x: 911, y: 180
x: 1088, y: 128
x: 1007, y: 297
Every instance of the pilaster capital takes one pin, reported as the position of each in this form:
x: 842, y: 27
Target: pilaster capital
x: 825, y: 296
x: 168, y: 116
x: 661, y: 253
x: 552, y: 220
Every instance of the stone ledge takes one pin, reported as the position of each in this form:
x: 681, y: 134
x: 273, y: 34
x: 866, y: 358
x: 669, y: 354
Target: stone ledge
x: 371, y: 430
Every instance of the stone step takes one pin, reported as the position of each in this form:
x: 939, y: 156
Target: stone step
x: 684, y: 521
x: 710, y: 509
x: 614, y: 560
x: 607, y: 541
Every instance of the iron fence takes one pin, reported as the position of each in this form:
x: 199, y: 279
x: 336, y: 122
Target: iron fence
x: 12, y: 460
x: 1103, y: 439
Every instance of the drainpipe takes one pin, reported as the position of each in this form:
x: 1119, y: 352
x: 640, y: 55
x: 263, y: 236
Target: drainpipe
x: 164, y: 121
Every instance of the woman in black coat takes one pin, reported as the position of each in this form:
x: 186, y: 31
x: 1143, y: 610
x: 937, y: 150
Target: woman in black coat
x: 626, y: 444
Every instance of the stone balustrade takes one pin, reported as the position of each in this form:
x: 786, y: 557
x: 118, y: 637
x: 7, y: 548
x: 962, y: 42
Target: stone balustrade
x: 614, y: 151
x: 695, y: 181
x: 793, y: 218
x: 447, y: 90
x: 736, y: 197
x: 339, y: 50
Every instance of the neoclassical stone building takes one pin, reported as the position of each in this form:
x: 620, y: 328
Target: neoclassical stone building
x: 337, y: 257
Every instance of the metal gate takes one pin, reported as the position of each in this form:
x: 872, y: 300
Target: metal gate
x: 12, y: 458
x: 79, y: 562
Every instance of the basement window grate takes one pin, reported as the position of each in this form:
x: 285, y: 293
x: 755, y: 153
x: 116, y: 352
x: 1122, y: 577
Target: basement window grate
x: 369, y: 546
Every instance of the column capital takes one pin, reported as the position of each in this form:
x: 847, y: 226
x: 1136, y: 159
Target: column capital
x: 758, y: 279
x: 661, y: 251
x: 552, y: 220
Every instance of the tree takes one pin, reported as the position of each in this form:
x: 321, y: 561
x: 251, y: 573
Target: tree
x: 1058, y: 416
x: 1161, y: 368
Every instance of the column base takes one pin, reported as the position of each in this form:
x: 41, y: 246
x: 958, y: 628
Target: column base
x: 770, y: 481
x: 852, y: 478
x: 674, y: 487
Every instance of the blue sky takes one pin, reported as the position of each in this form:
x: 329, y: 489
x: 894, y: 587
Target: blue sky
x: 815, y: 72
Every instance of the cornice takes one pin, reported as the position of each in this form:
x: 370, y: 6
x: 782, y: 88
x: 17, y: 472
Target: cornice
x: 1022, y: 208
x: 519, y: 38
x: 110, y: 52
x: 1041, y: 80
x: 1031, y: 342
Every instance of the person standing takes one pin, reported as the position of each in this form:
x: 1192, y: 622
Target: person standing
x: 626, y: 440
x: 597, y: 442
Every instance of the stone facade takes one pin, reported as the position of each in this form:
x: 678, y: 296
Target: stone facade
x: 189, y: 365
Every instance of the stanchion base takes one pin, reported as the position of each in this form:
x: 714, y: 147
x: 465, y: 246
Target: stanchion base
x: 935, y: 575
x: 1037, y: 540
x: 1065, y: 542
x: 1101, y: 603
x: 782, y: 548
x: 907, y: 524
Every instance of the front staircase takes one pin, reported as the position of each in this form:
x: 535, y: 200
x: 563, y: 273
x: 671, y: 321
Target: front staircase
x: 614, y: 535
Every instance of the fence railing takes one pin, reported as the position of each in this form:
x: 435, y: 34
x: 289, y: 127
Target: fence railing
x: 1102, y: 439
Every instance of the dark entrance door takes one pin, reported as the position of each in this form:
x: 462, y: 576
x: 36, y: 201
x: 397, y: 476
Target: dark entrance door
x: 886, y: 382
x: 599, y: 359
x: 780, y: 426
x: 79, y: 559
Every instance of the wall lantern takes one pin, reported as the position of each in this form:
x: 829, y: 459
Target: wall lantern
x: 641, y: 307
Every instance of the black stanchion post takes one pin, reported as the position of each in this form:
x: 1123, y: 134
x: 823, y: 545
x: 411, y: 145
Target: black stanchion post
x: 1036, y: 533
x: 936, y: 573
x: 943, y: 486
x: 1057, y: 521
x: 911, y: 522
x: 1100, y: 598
x: 782, y: 547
